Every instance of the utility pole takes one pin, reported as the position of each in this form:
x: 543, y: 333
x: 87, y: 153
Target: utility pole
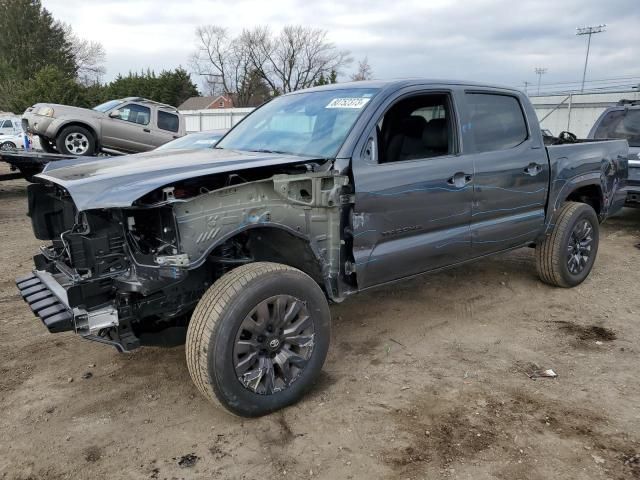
x: 540, y: 71
x: 588, y: 31
x: 526, y: 87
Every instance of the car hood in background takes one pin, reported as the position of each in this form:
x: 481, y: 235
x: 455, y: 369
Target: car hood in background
x: 119, y: 181
x: 63, y: 110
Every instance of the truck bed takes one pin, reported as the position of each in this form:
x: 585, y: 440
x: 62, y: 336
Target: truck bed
x: 574, y: 164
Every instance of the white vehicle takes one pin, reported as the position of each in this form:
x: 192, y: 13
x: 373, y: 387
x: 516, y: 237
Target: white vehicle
x: 10, y: 125
x: 11, y: 141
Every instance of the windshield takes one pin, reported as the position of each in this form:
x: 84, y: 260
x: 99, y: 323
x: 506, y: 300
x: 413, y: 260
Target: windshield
x: 624, y: 124
x: 311, y: 124
x: 106, y: 106
x: 194, y: 140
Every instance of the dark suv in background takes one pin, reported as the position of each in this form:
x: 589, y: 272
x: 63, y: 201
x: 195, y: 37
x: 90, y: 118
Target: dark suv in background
x: 623, y: 122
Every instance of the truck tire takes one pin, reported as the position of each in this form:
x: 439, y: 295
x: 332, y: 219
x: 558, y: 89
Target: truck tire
x: 258, y: 338
x: 567, y: 254
x: 76, y: 140
x: 47, y: 145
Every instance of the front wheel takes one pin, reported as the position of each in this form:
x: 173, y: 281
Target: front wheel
x: 258, y: 338
x: 76, y: 140
x: 47, y: 145
x: 567, y: 254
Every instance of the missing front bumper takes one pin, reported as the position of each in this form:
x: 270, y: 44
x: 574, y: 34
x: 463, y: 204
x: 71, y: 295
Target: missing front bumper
x: 48, y: 301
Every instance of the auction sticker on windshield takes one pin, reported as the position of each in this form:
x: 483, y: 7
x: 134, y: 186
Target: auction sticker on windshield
x: 347, y: 103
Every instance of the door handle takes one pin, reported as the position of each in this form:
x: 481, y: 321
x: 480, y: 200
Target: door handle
x: 533, y: 169
x: 146, y: 130
x: 460, y: 179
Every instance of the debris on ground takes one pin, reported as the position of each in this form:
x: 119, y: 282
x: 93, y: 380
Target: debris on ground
x: 87, y: 375
x: 542, y: 374
x: 188, y: 460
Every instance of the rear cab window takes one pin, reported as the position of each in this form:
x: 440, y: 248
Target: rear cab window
x: 623, y: 124
x: 168, y: 121
x: 497, y: 121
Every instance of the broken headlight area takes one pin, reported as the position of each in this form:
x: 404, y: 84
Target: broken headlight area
x: 152, y: 237
x: 83, y: 245
x: 115, y: 275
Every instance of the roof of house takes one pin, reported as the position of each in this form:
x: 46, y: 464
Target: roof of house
x: 198, y: 103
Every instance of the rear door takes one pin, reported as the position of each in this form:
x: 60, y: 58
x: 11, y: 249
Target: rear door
x: 511, y: 173
x: 413, y: 190
x: 130, y: 130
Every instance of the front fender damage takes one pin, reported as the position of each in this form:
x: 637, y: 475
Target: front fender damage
x: 307, y: 206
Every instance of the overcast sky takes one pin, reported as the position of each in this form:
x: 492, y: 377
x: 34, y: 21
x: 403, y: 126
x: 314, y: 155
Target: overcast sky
x: 499, y: 41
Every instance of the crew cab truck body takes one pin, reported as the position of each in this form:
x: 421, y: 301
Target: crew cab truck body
x: 127, y: 125
x: 316, y: 195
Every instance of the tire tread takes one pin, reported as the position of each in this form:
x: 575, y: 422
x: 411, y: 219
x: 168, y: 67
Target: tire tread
x: 209, y: 311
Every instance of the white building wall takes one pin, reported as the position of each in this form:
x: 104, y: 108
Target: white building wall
x: 584, y: 111
x: 213, y: 119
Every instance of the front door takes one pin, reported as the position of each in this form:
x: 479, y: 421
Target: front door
x: 511, y: 174
x: 129, y: 130
x: 413, y: 192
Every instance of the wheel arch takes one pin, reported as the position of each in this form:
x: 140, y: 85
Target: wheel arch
x: 278, y: 244
x: 591, y: 194
x: 76, y: 123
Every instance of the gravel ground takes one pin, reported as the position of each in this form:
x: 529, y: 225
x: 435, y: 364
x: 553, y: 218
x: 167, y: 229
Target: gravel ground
x: 424, y: 379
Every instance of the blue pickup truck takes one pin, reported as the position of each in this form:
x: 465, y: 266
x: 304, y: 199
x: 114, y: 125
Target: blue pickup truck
x: 238, y: 249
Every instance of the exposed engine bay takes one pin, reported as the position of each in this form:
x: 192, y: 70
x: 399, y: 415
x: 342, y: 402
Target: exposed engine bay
x: 131, y: 276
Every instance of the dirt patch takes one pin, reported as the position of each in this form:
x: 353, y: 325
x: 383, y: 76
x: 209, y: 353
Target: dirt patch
x: 586, y: 333
x: 435, y: 354
x: 489, y: 422
x: 187, y: 461
x: 92, y: 454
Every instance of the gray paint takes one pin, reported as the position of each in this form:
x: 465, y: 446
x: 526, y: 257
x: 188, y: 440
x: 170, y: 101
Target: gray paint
x: 120, y: 181
x: 406, y: 218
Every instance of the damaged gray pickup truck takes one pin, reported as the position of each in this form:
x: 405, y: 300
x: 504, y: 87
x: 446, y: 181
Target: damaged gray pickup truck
x: 315, y: 196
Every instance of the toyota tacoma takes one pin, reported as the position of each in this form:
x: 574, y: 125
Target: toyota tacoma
x: 237, y: 250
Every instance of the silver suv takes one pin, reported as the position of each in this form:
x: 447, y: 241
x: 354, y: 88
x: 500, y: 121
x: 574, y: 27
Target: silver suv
x: 129, y: 125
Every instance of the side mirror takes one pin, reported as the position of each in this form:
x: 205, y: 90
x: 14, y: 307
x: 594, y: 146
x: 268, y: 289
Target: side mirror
x: 114, y: 114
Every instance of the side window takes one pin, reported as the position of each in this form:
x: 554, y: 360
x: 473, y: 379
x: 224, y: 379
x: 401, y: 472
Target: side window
x: 8, y: 124
x: 497, y: 121
x: 168, y: 121
x: 135, y: 114
x: 414, y: 128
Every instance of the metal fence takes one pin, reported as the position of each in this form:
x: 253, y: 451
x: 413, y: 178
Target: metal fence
x: 213, y: 119
x: 575, y: 112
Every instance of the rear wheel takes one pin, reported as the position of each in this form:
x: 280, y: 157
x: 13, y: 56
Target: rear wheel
x: 5, y: 146
x: 76, y: 140
x: 566, y: 256
x: 258, y: 338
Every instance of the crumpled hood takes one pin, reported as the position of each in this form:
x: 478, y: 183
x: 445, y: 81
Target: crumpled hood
x: 119, y: 181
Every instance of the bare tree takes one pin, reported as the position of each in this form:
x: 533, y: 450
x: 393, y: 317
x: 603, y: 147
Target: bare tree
x: 293, y: 59
x: 364, y: 71
x: 213, y: 58
x: 89, y: 57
